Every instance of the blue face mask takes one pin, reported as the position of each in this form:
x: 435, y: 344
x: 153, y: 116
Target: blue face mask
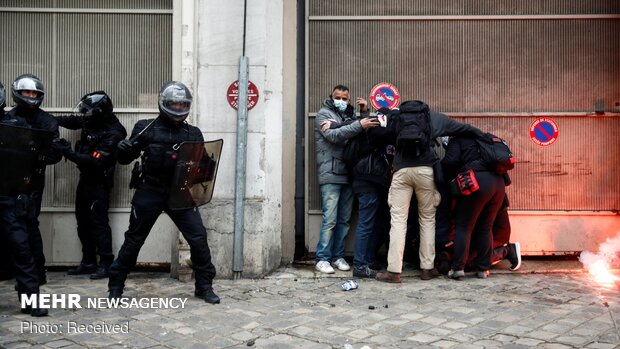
x: 340, y: 104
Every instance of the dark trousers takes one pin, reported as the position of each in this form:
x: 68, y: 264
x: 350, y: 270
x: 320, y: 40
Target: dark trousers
x: 370, y: 225
x: 147, y: 204
x: 91, y: 212
x: 474, y: 216
x: 501, y: 226
x: 13, y: 214
x: 34, y: 234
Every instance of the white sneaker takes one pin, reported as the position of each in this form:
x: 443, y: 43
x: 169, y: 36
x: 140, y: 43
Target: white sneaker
x: 341, y: 264
x: 324, y: 267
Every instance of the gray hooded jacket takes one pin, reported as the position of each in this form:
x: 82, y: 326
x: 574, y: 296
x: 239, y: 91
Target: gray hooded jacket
x: 330, y: 144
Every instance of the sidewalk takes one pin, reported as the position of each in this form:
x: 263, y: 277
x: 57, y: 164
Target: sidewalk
x: 547, y: 304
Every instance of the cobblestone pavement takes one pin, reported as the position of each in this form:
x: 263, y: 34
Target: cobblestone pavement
x: 296, y: 308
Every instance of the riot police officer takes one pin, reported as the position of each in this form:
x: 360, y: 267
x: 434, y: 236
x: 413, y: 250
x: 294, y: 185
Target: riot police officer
x: 95, y: 157
x: 28, y: 91
x: 20, y: 153
x: 156, y: 142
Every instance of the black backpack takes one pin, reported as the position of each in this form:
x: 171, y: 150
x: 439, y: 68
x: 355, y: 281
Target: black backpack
x: 495, y: 153
x: 413, y: 129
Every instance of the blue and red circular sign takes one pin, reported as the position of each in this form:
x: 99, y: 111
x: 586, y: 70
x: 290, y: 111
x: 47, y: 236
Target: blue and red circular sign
x: 384, y: 95
x: 544, y: 131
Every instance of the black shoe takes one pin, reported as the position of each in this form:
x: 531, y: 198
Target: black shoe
x: 38, y: 312
x: 364, y: 272
x: 35, y: 312
x: 101, y: 273
x: 514, y: 256
x: 42, y: 280
x: 208, y: 295
x: 83, y: 269
x: 115, y: 294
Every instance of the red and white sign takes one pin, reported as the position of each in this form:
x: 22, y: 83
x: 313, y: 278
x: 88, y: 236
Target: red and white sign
x: 233, y: 95
x: 544, y: 131
x: 384, y: 95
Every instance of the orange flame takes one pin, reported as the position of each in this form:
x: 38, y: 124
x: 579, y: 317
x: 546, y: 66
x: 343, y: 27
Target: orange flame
x: 600, y: 271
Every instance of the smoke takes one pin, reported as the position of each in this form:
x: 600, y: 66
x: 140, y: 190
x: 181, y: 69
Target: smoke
x: 598, y: 264
x: 609, y: 252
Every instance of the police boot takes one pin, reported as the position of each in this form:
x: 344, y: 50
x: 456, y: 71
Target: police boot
x: 116, y: 284
x: 83, y: 268
x: 115, y: 293
x: 101, y: 273
x: 208, y: 295
x: 34, y: 312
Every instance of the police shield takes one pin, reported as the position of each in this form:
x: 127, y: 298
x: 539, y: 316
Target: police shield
x: 21, y: 150
x: 194, y: 175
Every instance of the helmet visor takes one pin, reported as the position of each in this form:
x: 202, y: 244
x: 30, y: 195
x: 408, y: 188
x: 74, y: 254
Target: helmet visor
x: 175, y: 100
x: 29, y: 84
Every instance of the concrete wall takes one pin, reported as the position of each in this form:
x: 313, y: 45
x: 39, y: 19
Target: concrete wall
x: 219, y: 42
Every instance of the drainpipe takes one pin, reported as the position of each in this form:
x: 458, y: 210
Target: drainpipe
x: 300, y: 172
x: 240, y: 168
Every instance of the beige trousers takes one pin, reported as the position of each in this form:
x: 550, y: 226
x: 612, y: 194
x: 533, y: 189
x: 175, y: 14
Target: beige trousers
x: 406, y: 181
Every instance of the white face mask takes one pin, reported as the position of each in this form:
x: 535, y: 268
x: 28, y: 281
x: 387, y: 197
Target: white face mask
x: 340, y: 104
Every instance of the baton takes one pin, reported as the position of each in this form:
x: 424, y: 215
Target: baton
x: 134, y: 138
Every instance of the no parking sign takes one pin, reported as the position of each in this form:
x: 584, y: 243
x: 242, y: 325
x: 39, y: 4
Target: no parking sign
x: 384, y: 95
x: 544, y: 131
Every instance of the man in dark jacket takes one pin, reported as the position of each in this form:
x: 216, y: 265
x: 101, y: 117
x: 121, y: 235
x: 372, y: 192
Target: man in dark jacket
x: 370, y: 167
x: 413, y: 173
x: 157, y: 141
x: 27, y: 91
x: 333, y: 175
x: 95, y: 156
x: 474, y: 213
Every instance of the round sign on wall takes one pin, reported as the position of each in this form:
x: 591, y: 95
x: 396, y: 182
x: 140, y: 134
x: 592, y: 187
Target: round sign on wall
x: 232, y: 95
x: 384, y: 95
x: 544, y: 131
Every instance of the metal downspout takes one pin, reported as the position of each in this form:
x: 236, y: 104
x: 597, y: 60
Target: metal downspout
x: 240, y: 168
x: 300, y: 134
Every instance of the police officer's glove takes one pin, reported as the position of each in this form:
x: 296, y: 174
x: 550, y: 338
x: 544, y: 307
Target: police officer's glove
x: 126, y: 145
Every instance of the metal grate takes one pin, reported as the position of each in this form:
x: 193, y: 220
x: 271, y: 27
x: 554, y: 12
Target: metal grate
x: 90, y: 4
x: 489, y: 67
x: 127, y: 55
x: 459, y: 7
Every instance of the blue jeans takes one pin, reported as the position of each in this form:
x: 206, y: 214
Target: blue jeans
x: 337, y: 201
x: 367, y: 232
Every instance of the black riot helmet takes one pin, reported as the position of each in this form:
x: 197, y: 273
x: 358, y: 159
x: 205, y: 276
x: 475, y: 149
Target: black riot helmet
x: 96, y: 106
x: 175, y: 101
x: 2, y: 96
x: 27, y: 82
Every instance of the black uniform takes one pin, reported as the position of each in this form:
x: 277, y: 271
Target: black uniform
x: 17, y: 215
x: 151, y: 198
x: 95, y: 156
x: 38, y: 119
x: 474, y: 213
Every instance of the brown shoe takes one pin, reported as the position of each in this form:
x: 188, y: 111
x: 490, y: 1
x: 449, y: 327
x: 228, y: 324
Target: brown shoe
x: 388, y: 276
x: 428, y: 274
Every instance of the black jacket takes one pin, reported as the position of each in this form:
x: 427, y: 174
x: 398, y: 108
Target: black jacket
x: 156, y: 147
x: 373, y: 170
x: 95, y: 152
x: 460, y: 151
x: 441, y: 125
x: 39, y: 119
